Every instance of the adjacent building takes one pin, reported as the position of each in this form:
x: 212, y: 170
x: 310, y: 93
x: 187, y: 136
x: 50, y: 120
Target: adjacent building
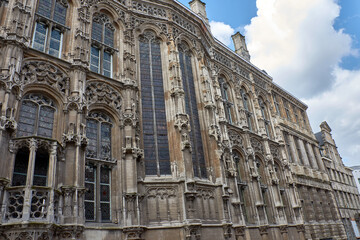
x: 127, y: 119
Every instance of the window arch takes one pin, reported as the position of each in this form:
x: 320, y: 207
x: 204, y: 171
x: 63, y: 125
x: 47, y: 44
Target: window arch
x: 154, y: 124
x: 224, y: 88
x: 102, y: 45
x: 98, y: 168
x: 247, y: 107
x: 198, y: 159
x: 265, y: 116
x: 36, y: 116
x: 50, y: 26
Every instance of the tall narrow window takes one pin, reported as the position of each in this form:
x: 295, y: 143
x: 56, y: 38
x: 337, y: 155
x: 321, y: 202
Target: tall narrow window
x: 41, y: 167
x: 264, y: 115
x: 97, y: 170
x: 36, y: 116
x: 97, y: 197
x: 191, y: 109
x: 247, y: 108
x: 50, y: 26
x: 287, y: 110
x: 102, y: 45
x: 155, y: 138
x: 295, y: 114
x: 276, y: 103
x: 303, y: 115
x: 21, y: 167
x: 224, y: 87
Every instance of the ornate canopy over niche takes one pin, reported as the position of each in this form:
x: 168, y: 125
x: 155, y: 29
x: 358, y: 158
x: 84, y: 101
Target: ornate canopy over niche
x: 42, y: 72
x: 235, y: 139
x: 100, y: 92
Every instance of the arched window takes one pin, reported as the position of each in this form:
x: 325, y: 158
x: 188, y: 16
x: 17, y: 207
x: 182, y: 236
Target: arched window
x: 198, y: 159
x: 98, y: 169
x: 265, y: 116
x: 50, y: 26
x: 36, y: 116
x: 98, y: 131
x: 247, y: 108
x: 154, y: 124
x: 102, y: 45
x: 287, y: 109
x: 224, y: 87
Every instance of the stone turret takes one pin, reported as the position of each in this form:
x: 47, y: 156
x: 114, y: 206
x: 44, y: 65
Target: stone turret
x: 240, y: 46
x: 199, y: 7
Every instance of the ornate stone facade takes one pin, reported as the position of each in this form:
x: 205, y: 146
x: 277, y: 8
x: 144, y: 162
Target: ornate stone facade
x: 128, y: 120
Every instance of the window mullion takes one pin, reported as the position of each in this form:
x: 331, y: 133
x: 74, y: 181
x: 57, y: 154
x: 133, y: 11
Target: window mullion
x: 98, y: 140
x: 48, y: 37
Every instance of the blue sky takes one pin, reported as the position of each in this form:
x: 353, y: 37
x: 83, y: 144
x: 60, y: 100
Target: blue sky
x: 311, y: 48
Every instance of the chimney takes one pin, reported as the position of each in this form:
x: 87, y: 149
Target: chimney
x: 199, y: 7
x: 240, y: 46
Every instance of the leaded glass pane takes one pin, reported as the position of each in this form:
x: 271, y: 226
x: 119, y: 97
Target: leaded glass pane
x: 55, y: 43
x: 97, y: 31
x: 20, y: 168
x: 105, y: 141
x: 90, y: 195
x: 105, y: 175
x: 95, y: 59
x: 60, y: 13
x: 40, y: 37
x: 89, y: 211
x: 41, y: 168
x: 105, y: 211
x: 27, y: 119
x: 92, y: 135
x: 46, y: 121
x: 107, y: 64
x: 109, y: 36
x: 105, y: 193
x: 44, y: 8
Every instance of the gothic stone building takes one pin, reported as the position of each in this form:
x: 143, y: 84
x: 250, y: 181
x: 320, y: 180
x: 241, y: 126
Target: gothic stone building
x: 127, y: 119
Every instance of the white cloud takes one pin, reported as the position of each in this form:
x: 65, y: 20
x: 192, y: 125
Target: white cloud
x: 295, y: 42
x: 340, y: 107
x: 222, y: 32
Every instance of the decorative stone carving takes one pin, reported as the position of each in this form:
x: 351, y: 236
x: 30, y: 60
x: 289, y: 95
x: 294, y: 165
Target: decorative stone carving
x: 100, y: 92
x: 274, y: 151
x: 8, y: 121
x: 41, y: 72
x: 236, y: 139
x: 239, y: 230
x: 134, y: 233
x: 257, y: 145
x: 78, y: 138
x: 183, y: 23
x: 222, y: 59
x: 192, y: 232
x: 149, y: 9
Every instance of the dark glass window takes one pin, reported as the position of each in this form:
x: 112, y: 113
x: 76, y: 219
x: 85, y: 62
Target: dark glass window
x: 50, y: 26
x: 224, y: 87
x: 295, y: 111
x: 198, y: 158
x: 102, y: 36
x: 298, y: 149
x: 97, y: 196
x: 21, y: 167
x: 41, y: 168
x: 36, y: 116
x: 98, y: 131
x: 155, y: 138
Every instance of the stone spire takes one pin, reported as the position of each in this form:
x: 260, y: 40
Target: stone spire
x: 240, y: 46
